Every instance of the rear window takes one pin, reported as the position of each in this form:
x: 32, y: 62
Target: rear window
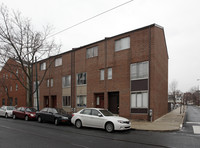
x: 31, y: 110
x: 10, y: 108
x: 86, y: 112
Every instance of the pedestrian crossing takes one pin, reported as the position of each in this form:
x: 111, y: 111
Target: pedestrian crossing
x: 195, y: 127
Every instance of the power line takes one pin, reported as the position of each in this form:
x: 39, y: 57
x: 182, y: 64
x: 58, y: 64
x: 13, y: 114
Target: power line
x: 90, y: 18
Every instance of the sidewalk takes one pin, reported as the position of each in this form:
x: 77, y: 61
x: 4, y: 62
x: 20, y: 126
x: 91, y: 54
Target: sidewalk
x: 170, y: 122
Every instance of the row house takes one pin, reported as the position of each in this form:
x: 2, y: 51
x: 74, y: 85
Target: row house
x: 12, y: 93
x: 126, y: 74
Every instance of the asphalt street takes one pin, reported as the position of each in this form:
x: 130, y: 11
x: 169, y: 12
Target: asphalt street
x: 192, y: 120
x: 31, y: 134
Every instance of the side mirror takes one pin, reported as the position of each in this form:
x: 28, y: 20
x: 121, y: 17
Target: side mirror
x: 100, y: 115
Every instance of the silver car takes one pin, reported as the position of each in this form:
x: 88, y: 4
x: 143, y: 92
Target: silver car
x: 7, y: 111
x: 100, y: 118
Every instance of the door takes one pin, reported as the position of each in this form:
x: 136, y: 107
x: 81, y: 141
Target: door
x: 53, y: 101
x: 99, y: 100
x: 113, y: 102
x: 46, y: 101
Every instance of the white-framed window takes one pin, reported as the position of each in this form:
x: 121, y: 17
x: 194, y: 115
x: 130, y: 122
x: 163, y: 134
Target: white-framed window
x: 122, y: 44
x: 43, y: 66
x: 81, y: 78
x: 51, y: 82
x: 58, y: 61
x: 102, y: 74
x: 81, y: 101
x: 66, y: 101
x: 16, y: 87
x: 140, y: 70
x: 48, y: 82
x: 139, y: 100
x: 92, y: 52
x: 66, y: 81
x: 109, y: 73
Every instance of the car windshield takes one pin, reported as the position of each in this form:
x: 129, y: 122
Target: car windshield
x: 31, y: 110
x: 61, y: 111
x: 106, y: 113
x: 10, y: 108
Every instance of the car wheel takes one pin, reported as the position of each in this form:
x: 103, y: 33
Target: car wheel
x: 56, y: 121
x: 26, y: 118
x: 78, y: 124
x: 39, y: 119
x: 6, y: 115
x: 14, y: 117
x: 109, y: 127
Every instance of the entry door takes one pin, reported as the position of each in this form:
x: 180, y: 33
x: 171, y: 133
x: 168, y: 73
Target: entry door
x: 99, y: 100
x: 46, y: 101
x: 53, y: 101
x: 113, y: 102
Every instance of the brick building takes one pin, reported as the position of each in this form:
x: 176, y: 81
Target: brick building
x: 126, y: 73
x: 12, y: 93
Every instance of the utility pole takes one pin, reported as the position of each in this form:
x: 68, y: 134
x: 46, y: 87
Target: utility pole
x: 36, y: 83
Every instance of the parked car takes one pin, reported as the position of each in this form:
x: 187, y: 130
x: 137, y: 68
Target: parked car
x: 54, y: 115
x: 26, y: 113
x: 7, y: 111
x: 99, y: 118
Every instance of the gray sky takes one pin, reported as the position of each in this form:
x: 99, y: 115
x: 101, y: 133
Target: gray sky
x: 180, y: 19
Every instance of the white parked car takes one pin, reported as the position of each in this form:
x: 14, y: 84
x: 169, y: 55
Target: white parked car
x: 100, y: 118
x: 7, y: 111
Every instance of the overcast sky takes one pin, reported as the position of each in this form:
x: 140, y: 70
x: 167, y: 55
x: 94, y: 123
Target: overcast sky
x: 180, y: 19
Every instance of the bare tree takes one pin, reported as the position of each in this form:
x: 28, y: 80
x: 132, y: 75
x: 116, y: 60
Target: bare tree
x: 173, y: 90
x: 19, y: 41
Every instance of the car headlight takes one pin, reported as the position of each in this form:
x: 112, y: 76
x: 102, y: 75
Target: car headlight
x: 120, y: 121
x: 32, y: 115
x: 65, y: 118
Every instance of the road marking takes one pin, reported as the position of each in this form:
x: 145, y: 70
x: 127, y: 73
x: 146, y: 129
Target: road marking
x: 196, y: 129
x: 193, y: 123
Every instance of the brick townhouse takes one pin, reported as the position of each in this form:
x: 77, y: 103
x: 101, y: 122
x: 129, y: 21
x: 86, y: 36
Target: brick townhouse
x: 12, y: 93
x: 126, y: 74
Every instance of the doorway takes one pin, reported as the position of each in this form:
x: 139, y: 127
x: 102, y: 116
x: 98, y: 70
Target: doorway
x: 46, y: 101
x: 113, y: 102
x: 99, y: 100
x: 53, y: 101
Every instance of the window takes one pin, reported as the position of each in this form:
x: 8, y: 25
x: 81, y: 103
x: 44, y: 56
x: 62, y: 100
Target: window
x: 95, y: 112
x: 51, y: 82
x: 3, y: 101
x: 81, y: 78
x: 3, y: 76
x: 92, y: 52
x: 16, y: 87
x: 81, y: 101
x: 15, y: 101
x: 102, y: 74
x: 140, y: 70
x: 47, y: 82
x: 66, y: 101
x: 66, y: 81
x: 86, y: 112
x: 10, y: 88
x: 109, y: 73
x: 58, y: 62
x: 139, y: 100
x: 43, y: 66
x: 6, y: 76
x: 122, y: 44
x: 10, y: 101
